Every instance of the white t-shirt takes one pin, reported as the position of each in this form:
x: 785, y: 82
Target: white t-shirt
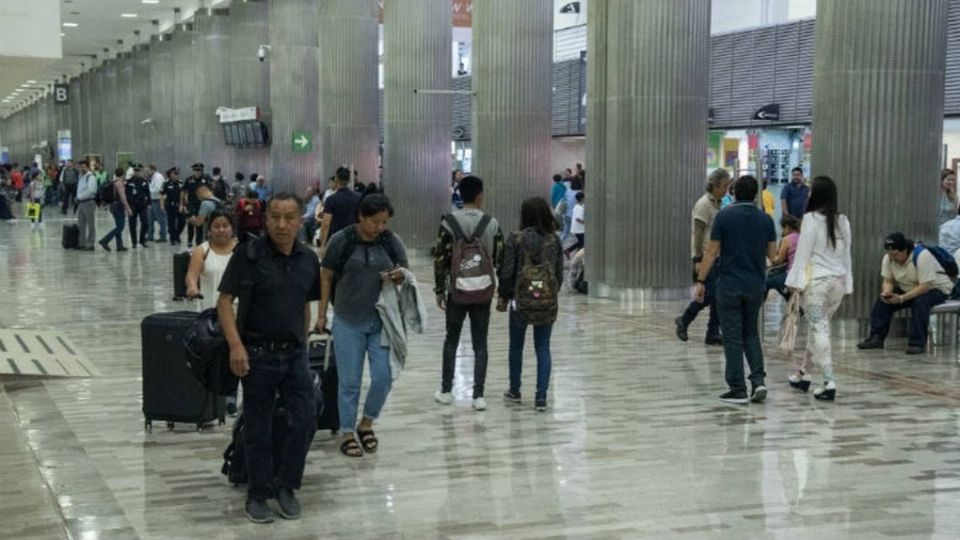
x: 907, y: 276
x: 213, y: 268
x: 577, y: 226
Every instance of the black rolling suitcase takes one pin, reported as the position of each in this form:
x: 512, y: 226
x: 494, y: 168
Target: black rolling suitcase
x: 181, y: 263
x: 171, y: 392
x: 71, y: 236
x: 323, y: 364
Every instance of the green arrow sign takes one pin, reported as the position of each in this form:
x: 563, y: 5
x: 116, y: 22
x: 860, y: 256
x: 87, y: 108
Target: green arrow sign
x: 302, y: 141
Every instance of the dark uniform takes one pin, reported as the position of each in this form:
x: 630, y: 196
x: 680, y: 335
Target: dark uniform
x: 138, y: 197
x: 275, y: 338
x: 190, y: 186
x: 171, y: 191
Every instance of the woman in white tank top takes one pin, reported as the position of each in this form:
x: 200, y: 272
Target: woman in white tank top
x: 209, y: 260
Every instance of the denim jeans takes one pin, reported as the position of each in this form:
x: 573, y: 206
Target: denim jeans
x: 541, y: 344
x: 157, y: 216
x: 739, y: 315
x: 920, y: 308
x: 352, y: 342
x: 139, y: 215
x: 119, y: 221
x: 289, y: 373
x: 479, y: 328
x: 709, y: 301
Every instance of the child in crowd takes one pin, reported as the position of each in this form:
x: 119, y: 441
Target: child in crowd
x: 35, y: 194
x: 578, y: 225
x: 781, y: 265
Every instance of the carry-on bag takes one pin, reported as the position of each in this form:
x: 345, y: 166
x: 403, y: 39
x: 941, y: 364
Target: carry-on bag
x: 323, y: 364
x: 71, y: 236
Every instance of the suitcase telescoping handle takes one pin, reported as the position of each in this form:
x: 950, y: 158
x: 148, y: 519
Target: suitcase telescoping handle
x: 325, y: 336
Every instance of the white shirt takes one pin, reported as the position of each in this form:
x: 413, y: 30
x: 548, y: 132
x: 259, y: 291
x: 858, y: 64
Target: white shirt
x: 816, y: 258
x: 213, y: 268
x: 950, y: 235
x: 156, y: 185
x: 576, y: 227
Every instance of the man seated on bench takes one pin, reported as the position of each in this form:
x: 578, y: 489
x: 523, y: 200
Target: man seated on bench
x: 910, y: 280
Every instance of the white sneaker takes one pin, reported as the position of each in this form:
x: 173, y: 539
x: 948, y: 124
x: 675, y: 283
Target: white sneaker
x: 444, y: 398
x: 479, y: 404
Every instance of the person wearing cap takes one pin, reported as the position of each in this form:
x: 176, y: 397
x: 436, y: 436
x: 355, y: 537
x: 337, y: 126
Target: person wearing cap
x: 190, y: 202
x: 138, y: 198
x: 171, y: 202
x: 912, y: 278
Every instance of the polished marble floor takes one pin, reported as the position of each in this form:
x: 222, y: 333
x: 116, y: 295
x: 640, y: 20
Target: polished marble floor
x: 634, y: 444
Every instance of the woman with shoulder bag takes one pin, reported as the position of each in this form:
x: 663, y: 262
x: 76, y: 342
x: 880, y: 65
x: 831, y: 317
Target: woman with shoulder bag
x: 822, y: 272
x: 530, y: 280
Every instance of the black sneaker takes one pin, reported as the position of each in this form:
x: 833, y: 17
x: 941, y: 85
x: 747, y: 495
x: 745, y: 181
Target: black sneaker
x: 540, y: 404
x: 288, y: 504
x: 915, y: 349
x: 681, y: 329
x: 257, y: 511
x: 511, y: 397
x: 872, y: 342
x: 714, y: 340
x: 121, y: 249
x: 738, y: 397
x: 759, y: 394
x: 104, y: 245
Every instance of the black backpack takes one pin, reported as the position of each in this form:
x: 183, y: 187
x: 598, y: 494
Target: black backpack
x: 107, y: 193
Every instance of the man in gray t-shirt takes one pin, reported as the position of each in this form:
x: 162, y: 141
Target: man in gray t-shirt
x: 208, y: 203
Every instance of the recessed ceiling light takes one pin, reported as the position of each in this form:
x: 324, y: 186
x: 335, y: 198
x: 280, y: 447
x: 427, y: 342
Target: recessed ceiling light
x: 31, y: 81
x: 70, y: 25
x: 129, y: 15
x: 150, y: 1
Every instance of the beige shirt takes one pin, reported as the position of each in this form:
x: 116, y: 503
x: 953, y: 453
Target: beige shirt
x: 907, y: 276
x: 704, y: 211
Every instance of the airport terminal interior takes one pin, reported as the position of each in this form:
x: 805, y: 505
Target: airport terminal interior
x: 737, y: 253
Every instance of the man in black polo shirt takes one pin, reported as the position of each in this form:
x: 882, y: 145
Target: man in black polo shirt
x: 339, y: 209
x: 190, y: 202
x: 271, y: 354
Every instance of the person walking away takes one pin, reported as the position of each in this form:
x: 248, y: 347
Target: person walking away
x: 190, y: 202
x: 467, y: 256
x: 558, y: 191
x: 219, y: 185
x: 783, y: 262
x: 578, y: 227
x: 271, y: 357
x: 357, y: 261
x: 948, y: 196
x: 743, y: 237
x: 115, y: 197
x: 35, y: 194
x: 87, y: 207
x: 157, y: 214
x: 138, y: 198
x: 238, y: 190
x: 912, y: 278
x: 704, y: 212
x: 793, y: 196
x: 822, y: 272
x: 310, y: 215
x: 530, y: 281
x: 69, y: 179
x: 576, y: 186
x: 170, y: 195
x: 249, y: 217
x: 339, y: 210
x: 208, y: 203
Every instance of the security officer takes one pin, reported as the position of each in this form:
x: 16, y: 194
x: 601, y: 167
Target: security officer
x: 190, y: 202
x: 271, y: 354
x: 171, y: 201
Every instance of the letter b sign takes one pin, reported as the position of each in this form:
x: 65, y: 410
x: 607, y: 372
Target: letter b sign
x: 61, y: 94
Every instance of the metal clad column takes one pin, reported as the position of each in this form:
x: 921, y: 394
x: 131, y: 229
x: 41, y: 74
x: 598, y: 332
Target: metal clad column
x: 349, y: 98
x: 513, y: 61
x: 647, y: 136
x: 249, y: 77
x: 76, y: 130
x: 294, y: 81
x: 124, y: 106
x: 110, y: 117
x: 417, y: 125
x: 161, y: 102
x: 142, y: 133
x: 878, y: 123
x: 95, y: 143
x: 185, y: 150
x: 212, y: 61
x: 85, y: 96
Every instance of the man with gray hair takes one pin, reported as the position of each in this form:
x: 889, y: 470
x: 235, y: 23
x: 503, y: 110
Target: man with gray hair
x: 704, y: 211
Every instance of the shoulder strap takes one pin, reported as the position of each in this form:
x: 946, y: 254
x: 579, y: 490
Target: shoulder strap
x: 482, y: 226
x: 455, y: 227
x: 351, y: 243
x: 386, y: 240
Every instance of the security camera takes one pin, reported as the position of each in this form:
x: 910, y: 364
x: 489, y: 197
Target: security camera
x: 262, y: 52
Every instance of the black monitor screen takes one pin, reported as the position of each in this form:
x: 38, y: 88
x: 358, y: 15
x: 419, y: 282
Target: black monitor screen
x: 226, y: 134
x: 248, y: 138
x: 257, y: 133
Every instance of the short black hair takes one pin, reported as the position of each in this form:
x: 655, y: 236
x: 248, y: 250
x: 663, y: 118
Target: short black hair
x: 83, y: 162
x: 239, y: 176
x: 373, y: 204
x: 790, y: 221
x: 118, y: 172
x: 796, y: 169
x: 470, y: 188
x: 286, y: 196
x: 221, y: 213
x: 343, y: 174
x: 580, y: 196
x: 557, y: 178
x: 746, y: 188
x: 216, y: 170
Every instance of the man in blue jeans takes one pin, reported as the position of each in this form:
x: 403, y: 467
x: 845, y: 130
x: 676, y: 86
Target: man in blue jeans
x: 912, y: 278
x: 742, y: 238
x: 270, y: 356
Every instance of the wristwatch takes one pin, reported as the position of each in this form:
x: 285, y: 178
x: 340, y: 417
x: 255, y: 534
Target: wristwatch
x: 701, y: 281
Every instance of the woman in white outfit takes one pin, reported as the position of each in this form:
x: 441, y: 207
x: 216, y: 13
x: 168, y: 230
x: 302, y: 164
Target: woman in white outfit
x: 208, y: 262
x: 822, y: 272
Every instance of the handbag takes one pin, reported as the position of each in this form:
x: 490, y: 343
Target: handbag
x: 33, y: 210
x: 790, y: 326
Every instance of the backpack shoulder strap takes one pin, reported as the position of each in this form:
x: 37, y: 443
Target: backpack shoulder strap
x: 455, y: 227
x: 386, y: 240
x: 482, y: 226
x: 350, y: 232
x: 917, y: 250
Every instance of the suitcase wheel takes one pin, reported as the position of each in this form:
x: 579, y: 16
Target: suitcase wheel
x: 199, y: 428
x: 170, y: 426
x: 148, y: 425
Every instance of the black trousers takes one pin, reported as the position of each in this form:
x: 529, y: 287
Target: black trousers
x: 69, y: 197
x: 141, y: 215
x: 194, y: 233
x: 479, y: 328
x: 175, y: 221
